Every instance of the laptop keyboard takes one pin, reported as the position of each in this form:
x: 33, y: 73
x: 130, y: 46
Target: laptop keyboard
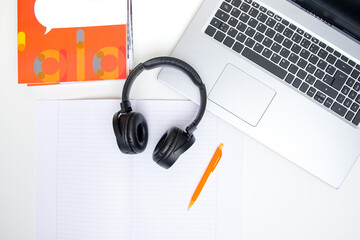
x: 316, y: 70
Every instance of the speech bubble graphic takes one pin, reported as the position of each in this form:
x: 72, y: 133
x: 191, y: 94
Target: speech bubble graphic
x: 80, y: 13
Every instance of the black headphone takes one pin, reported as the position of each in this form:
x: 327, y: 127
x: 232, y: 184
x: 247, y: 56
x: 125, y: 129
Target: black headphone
x: 131, y: 129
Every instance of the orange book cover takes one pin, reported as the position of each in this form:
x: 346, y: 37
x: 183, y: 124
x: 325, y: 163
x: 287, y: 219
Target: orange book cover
x: 70, y: 41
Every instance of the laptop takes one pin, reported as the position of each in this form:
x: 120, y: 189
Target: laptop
x: 284, y: 72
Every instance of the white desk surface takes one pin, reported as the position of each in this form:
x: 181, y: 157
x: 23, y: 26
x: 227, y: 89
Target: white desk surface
x: 280, y: 201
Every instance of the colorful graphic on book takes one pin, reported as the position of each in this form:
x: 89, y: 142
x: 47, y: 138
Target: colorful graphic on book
x: 55, y: 55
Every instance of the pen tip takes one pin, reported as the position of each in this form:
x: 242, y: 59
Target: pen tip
x: 190, y: 205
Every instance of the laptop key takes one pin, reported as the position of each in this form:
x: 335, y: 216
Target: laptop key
x: 328, y: 102
x: 253, y: 22
x: 270, y: 33
x: 232, y: 32
x: 292, y: 26
x: 258, y: 47
x: 311, y: 92
x: 249, y: 42
x: 253, y: 12
x: 279, y: 38
x: 339, y: 80
x: 235, y: 12
x: 264, y: 63
x: 222, y: 15
x: 229, y: 42
x: 339, y: 109
x: 241, y: 37
x: 261, y: 28
x: 216, y: 22
x: 314, y: 48
x: 330, y: 70
x: 270, y: 22
x: 276, y: 47
x: 275, y: 58
x: 284, y: 63
x: 267, y: 42
x: 331, y: 59
x: 350, y: 82
x: 245, y: 7
x: 293, y: 69
x: 262, y: 17
x: 343, y: 66
x: 355, y: 107
x: 296, y: 38
x: 219, y: 36
x: 285, y: 22
x: 297, y: 82
x: 322, y: 53
x: 236, y: 3
x: 357, y: 87
x: 325, y: 89
x: 304, y: 87
x: 340, y: 98
x: 233, y: 21
x: 310, y: 68
x: 224, y: 27
x: 289, y: 78
x: 250, y: 32
x: 267, y: 53
x: 284, y: 52
x: 349, y: 115
x: 293, y: 58
x: 296, y: 48
x: 244, y: 17
x: 238, y: 47
x: 226, y: 7
x: 210, y: 31
x: 328, y: 79
x: 259, y: 37
x: 310, y: 79
x: 301, y: 74
x: 287, y: 43
x: 263, y: 9
x: 320, y: 97
x: 288, y: 32
x: 241, y: 26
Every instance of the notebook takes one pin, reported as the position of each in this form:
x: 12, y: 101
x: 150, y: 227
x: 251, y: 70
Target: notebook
x: 284, y: 72
x: 59, y: 41
x: 87, y: 189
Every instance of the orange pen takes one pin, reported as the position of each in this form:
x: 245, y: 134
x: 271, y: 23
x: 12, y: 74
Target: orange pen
x: 210, y: 168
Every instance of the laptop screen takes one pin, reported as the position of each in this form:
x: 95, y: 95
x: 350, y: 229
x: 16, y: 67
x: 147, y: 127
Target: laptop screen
x: 343, y: 14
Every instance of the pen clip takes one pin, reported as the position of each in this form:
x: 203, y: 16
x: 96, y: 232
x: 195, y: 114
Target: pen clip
x: 219, y: 150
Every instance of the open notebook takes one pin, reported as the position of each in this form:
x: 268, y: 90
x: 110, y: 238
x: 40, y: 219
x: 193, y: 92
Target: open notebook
x: 87, y: 189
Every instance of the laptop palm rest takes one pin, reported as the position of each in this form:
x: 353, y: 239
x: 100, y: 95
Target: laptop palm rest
x: 241, y: 94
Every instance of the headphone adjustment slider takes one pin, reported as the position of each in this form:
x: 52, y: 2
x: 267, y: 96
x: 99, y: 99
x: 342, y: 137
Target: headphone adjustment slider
x: 190, y: 129
x: 125, y: 106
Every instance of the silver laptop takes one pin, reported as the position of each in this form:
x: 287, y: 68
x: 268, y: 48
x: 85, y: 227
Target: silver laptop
x: 284, y: 72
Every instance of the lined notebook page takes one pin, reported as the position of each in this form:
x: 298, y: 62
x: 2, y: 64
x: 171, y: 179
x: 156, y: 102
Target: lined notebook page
x: 101, y: 193
x: 94, y: 181
x: 161, y: 197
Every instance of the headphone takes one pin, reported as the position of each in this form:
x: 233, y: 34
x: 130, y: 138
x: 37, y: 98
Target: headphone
x: 131, y: 129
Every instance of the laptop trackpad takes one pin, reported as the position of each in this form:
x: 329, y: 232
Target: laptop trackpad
x: 241, y: 94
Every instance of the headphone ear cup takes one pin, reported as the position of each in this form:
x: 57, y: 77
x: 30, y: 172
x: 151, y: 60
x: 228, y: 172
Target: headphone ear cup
x: 171, y: 145
x: 134, y: 133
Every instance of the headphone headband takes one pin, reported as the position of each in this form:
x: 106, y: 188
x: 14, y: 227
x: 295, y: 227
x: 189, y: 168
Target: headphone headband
x: 166, y: 61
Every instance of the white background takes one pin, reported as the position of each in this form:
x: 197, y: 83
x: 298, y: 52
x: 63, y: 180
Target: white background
x: 280, y: 200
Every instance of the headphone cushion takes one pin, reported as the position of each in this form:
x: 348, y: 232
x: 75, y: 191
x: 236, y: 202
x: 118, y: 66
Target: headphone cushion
x: 134, y: 129
x: 171, y: 145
